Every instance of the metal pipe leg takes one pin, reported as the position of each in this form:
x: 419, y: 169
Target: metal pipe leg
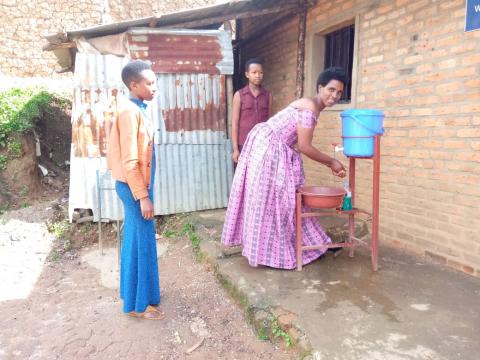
x: 351, y: 233
x: 119, y: 244
x: 298, y: 224
x: 99, y: 200
x: 351, y: 217
x: 376, y: 203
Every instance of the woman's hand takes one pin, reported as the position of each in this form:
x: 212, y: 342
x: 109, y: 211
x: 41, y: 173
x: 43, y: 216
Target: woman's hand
x: 146, y: 207
x: 337, y: 168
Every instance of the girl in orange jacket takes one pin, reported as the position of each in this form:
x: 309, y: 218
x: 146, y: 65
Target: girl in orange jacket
x: 131, y: 159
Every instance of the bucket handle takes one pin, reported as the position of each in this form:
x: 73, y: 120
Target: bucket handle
x: 357, y: 120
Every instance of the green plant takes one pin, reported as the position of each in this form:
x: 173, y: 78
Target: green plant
x: 59, y: 229
x: 4, y: 208
x: 189, y: 231
x: 3, y: 162
x: 54, y: 256
x: 19, y: 107
x: 25, y: 205
x: 67, y: 245
x: 14, y: 148
x: 169, y: 233
x: 24, y: 190
x: 263, y: 334
x: 278, y: 332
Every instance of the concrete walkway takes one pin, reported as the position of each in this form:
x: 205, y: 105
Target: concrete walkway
x: 339, y: 309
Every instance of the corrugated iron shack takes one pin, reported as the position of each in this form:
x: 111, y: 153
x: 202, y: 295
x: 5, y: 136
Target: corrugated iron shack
x: 194, y: 78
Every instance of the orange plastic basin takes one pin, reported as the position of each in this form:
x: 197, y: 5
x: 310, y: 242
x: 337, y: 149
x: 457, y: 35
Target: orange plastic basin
x: 321, y: 197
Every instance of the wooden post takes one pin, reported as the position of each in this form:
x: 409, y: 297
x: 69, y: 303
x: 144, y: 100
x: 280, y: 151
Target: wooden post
x: 302, y: 25
x: 229, y: 100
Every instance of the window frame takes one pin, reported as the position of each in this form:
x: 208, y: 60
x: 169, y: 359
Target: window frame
x: 315, y: 56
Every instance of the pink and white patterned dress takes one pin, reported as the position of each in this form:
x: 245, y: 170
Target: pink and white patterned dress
x: 261, y: 209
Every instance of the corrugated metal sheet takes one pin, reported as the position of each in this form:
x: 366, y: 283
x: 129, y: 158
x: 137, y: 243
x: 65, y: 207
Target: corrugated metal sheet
x: 183, y: 51
x: 97, y: 83
x: 194, y: 168
x: 192, y: 177
x: 211, y: 14
x: 190, y: 109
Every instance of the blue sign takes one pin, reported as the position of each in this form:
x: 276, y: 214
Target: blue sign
x: 472, y: 16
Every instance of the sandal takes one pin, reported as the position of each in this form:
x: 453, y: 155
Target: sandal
x: 150, y: 313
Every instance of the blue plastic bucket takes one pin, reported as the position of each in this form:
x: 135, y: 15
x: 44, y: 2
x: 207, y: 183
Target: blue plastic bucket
x: 359, y: 126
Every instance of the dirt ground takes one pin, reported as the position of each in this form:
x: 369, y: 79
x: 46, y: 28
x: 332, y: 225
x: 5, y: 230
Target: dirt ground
x: 69, y: 314
x: 59, y: 297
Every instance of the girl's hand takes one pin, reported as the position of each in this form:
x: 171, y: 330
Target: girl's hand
x: 235, y: 155
x: 337, y: 168
x: 146, y: 207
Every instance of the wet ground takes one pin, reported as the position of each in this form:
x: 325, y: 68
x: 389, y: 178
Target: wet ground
x: 409, y: 309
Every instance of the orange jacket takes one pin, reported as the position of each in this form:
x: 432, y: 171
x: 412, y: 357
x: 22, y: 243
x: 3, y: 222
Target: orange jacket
x: 129, y: 153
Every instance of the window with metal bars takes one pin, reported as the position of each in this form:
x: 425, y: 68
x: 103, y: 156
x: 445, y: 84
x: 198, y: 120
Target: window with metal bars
x: 339, y: 52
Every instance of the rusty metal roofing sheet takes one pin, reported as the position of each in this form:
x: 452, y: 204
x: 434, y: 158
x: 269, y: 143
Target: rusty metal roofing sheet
x: 190, y: 109
x: 183, y: 51
x: 97, y: 83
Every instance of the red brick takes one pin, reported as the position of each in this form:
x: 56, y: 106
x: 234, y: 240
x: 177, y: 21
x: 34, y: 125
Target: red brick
x: 471, y: 60
x: 471, y: 132
x: 459, y: 266
x: 419, y: 132
x: 447, y: 64
x: 412, y: 59
x: 431, y: 143
x: 454, y: 144
x: 464, y: 47
x: 467, y: 156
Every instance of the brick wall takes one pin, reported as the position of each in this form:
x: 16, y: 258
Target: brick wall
x: 417, y: 64
x: 28, y: 21
x: 275, y: 47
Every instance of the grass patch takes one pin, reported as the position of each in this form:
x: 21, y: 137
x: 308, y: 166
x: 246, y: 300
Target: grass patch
x: 24, y: 190
x: 278, y: 332
x: 14, y: 148
x: 4, y: 208
x: 234, y: 292
x: 188, y: 230
x: 3, y: 162
x: 168, y: 233
x: 62, y: 230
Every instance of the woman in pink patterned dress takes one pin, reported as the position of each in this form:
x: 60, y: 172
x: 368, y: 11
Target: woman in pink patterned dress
x: 261, y: 209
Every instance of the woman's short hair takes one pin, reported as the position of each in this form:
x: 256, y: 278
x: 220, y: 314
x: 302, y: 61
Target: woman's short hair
x: 332, y: 73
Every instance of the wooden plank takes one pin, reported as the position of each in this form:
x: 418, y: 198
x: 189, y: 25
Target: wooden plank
x: 302, y: 25
x: 65, y: 45
x: 229, y: 101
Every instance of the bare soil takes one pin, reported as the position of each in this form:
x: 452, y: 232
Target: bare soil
x: 22, y: 183
x: 69, y: 314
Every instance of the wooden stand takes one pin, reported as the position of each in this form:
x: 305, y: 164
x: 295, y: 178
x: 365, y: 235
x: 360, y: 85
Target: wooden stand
x: 352, y: 240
